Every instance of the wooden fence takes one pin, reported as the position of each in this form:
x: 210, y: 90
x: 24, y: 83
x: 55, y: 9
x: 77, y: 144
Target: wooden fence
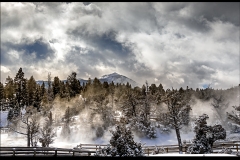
x: 90, y: 149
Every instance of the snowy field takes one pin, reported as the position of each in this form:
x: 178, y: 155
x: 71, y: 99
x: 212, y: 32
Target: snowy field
x: 20, y: 141
x: 192, y: 155
x: 82, y: 138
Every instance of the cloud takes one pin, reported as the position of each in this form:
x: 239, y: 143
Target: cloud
x: 180, y: 44
x: 4, y: 69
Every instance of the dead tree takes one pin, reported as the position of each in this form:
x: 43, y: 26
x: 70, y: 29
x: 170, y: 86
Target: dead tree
x: 235, y: 118
x: 219, y: 105
x: 47, y: 132
x: 26, y: 124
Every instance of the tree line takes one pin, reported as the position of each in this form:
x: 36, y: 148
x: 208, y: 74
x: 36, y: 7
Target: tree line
x: 139, y: 105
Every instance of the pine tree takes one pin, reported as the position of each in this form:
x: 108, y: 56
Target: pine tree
x: 178, y: 108
x: 96, y: 84
x: 65, y: 133
x: 1, y: 91
x: 9, y: 89
x: 42, y: 90
x: 21, y: 90
x: 74, y: 84
x: 101, y: 108
x: 1, y: 96
x: 205, y: 136
x: 153, y: 89
x: 50, y: 90
x: 160, y: 89
x: 31, y: 86
x: 37, y: 98
x: 122, y: 144
x: 130, y: 104
x: 56, y: 86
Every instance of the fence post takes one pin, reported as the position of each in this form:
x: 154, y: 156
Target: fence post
x: 55, y: 152
x: 73, y: 152
x: 167, y: 149
x: 148, y: 151
x: 237, y: 147
x: 34, y: 154
x: 13, y: 152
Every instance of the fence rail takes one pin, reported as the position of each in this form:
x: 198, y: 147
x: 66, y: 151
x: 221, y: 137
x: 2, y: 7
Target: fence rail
x: 90, y: 149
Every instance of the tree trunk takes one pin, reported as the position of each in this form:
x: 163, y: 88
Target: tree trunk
x: 178, y: 137
x: 28, y: 138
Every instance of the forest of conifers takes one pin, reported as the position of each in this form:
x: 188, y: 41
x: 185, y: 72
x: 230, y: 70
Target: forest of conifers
x: 170, y: 107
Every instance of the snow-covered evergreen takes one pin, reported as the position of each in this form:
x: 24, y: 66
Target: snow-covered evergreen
x: 122, y: 144
x: 205, y: 136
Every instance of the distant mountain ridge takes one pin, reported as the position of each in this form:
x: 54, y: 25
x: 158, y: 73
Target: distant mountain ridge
x: 113, y: 77
x: 117, y: 78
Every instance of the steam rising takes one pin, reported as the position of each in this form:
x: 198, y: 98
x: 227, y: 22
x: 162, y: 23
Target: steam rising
x: 82, y: 132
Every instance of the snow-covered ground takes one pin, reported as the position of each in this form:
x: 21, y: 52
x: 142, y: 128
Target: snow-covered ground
x: 3, y: 118
x: 86, y: 135
x: 192, y: 155
x: 163, y: 139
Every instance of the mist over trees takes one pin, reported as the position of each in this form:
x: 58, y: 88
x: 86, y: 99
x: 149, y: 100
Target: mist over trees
x: 101, y: 105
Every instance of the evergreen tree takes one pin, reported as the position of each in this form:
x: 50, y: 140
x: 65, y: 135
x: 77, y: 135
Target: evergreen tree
x: 65, y: 133
x: 205, y: 136
x: 160, y: 89
x: 2, y: 97
x: 56, y: 86
x: 74, y: 84
x: 31, y: 86
x: 9, y: 89
x: 178, y: 108
x: 21, y: 90
x: 105, y: 88
x: 42, y: 90
x: 67, y: 91
x: 112, y: 92
x: 97, y: 86
x: 62, y: 89
x: 50, y: 90
x: 37, y: 99
x: 153, y: 89
x: 1, y: 91
x: 102, y: 109
x: 122, y: 144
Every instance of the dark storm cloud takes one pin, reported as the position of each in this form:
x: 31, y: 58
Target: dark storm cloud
x: 5, y: 59
x: 38, y: 50
x: 196, y: 15
x: 42, y: 50
x: 107, y: 52
x: 199, y: 70
x: 103, y: 44
x: 224, y: 11
x: 173, y: 43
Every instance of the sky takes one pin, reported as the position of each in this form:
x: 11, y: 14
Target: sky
x: 177, y: 44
